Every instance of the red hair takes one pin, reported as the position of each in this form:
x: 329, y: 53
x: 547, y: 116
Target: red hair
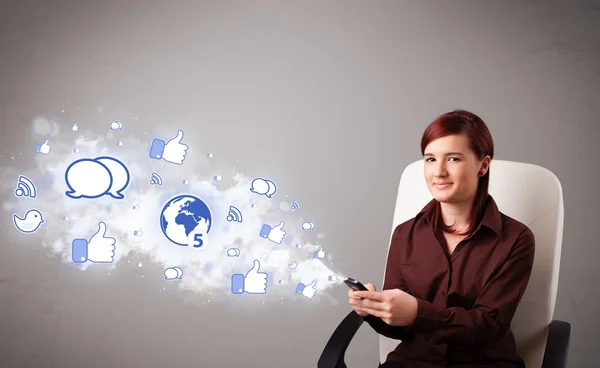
x: 480, y: 142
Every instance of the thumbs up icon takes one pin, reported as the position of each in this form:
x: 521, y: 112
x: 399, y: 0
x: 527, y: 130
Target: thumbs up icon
x: 100, y: 249
x: 308, y: 291
x: 43, y: 148
x: 75, y: 128
x: 274, y: 234
x: 173, y: 151
x: 253, y: 283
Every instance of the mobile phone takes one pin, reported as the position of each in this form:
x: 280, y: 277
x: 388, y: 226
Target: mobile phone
x: 355, y: 285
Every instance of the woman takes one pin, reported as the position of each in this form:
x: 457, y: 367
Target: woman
x: 457, y: 270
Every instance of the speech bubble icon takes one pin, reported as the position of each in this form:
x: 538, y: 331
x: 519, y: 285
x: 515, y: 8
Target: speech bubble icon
x: 87, y: 178
x: 263, y: 186
x: 170, y: 274
x: 120, y: 176
x: 233, y: 252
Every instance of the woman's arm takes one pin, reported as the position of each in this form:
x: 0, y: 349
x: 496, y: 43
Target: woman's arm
x: 393, y: 280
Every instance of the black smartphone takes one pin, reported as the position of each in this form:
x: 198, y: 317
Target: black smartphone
x: 355, y: 285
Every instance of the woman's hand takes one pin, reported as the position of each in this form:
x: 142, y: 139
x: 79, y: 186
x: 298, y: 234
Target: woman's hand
x: 394, y: 306
x: 356, y: 302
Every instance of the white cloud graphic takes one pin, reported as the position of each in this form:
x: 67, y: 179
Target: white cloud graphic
x: 207, y: 269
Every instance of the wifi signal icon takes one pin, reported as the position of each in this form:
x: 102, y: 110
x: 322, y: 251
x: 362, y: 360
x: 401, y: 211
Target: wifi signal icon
x: 295, y: 205
x: 234, y: 214
x: 25, y: 188
x: 156, y: 179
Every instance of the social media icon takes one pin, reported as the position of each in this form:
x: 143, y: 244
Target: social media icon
x: 308, y: 291
x: 155, y: 179
x: 43, y: 148
x: 319, y: 254
x: 293, y: 265
x: 138, y: 232
x: 233, y: 252
x: 173, y: 151
x: 116, y: 125
x: 186, y: 221
x: 254, y: 282
x: 100, y: 248
x: 25, y: 187
x: 173, y: 273
x: 332, y: 278
x: 217, y: 178
x: 75, y: 128
x: 93, y: 178
x: 295, y: 205
x: 263, y: 186
x: 234, y: 214
x: 274, y: 234
x: 30, y: 222
x: 308, y: 226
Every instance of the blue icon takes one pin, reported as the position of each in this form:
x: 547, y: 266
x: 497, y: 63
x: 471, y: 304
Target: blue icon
x: 100, y: 248
x: 308, y: 226
x: 186, y: 220
x: 217, y: 177
x: 93, y: 178
x: 263, y: 187
x: 30, y: 222
x: 42, y: 148
x: 155, y: 179
x: 295, y: 205
x: 319, y: 254
x: 254, y: 282
x: 274, y: 234
x: 116, y: 125
x: 234, y: 214
x: 172, y: 151
x: 25, y: 188
x: 233, y: 252
x: 307, y: 290
x: 173, y: 273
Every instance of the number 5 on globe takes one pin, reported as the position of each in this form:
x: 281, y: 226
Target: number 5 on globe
x: 197, y: 238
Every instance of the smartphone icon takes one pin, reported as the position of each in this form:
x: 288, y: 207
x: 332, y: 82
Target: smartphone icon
x: 355, y: 285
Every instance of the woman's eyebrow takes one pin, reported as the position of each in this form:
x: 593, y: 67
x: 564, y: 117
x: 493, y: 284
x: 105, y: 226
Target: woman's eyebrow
x: 446, y: 154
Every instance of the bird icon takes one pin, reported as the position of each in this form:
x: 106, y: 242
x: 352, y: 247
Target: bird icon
x: 30, y: 222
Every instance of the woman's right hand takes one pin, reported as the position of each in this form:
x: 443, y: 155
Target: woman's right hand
x: 356, y: 302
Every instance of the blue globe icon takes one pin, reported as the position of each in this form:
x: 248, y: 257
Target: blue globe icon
x: 183, y: 215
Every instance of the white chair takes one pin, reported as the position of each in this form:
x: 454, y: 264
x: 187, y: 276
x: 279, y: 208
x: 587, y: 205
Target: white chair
x: 530, y: 194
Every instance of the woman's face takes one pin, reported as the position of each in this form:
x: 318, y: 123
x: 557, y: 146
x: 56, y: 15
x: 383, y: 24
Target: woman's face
x: 451, y: 169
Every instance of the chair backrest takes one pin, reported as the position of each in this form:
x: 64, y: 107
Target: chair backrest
x: 532, y: 195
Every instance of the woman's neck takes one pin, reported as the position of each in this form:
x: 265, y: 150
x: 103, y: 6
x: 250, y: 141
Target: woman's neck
x: 456, y: 215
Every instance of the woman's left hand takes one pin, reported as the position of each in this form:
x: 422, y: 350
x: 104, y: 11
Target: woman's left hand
x: 394, y: 306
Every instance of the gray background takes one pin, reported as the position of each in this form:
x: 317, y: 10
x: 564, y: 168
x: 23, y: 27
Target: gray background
x: 331, y: 98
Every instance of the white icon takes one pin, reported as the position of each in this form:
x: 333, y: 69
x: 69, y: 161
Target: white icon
x: 332, y: 278
x: 217, y: 178
x: 101, y: 249
x: 30, y: 222
x: 234, y: 214
x: 281, y: 282
x: 75, y: 127
x: 136, y: 206
x: 175, y: 151
x: 25, y: 187
x: 263, y: 186
x: 233, y: 252
x: 308, y: 226
x: 298, y: 246
x: 119, y: 144
x: 319, y: 254
x: 210, y: 155
x: 155, y: 179
x: 307, y: 290
x: 173, y: 273
x: 293, y: 265
x: 274, y: 234
x: 87, y: 178
x: 43, y: 148
x: 255, y: 282
x: 138, y: 232
x: 75, y: 150
x: 116, y: 125
x: 185, y: 182
x: 295, y: 205
x: 66, y: 218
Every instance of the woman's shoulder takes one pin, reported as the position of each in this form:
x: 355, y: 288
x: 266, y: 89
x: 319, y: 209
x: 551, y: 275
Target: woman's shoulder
x: 515, y: 229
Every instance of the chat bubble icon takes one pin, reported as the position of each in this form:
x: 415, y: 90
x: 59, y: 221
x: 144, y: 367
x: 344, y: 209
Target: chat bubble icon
x: 87, y: 178
x: 170, y: 273
x: 116, y: 125
x: 263, y: 187
x: 233, y: 252
x: 120, y: 176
